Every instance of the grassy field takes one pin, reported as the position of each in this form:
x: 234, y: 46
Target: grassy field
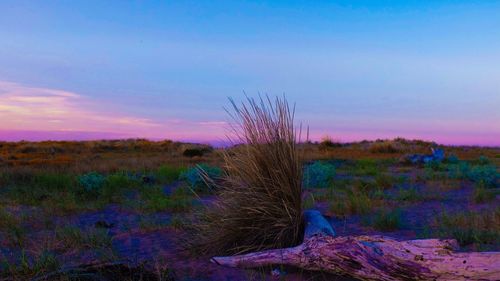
x: 64, y: 205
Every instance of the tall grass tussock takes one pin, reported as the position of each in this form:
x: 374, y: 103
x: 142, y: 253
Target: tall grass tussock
x: 259, y: 196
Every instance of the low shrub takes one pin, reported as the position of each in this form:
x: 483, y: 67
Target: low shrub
x: 92, y: 183
x: 384, y: 147
x: 327, y: 143
x: 483, y: 160
x: 452, y: 159
x: 194, y: 176
x: 115, y: 184
x: 318, y: 175
x: 366, y: 167
x: 437, y: 166
x: 155, y: 200
x: 484, y: 175
x: 53, y: 181
x: 196, y: 151
x: 167, y: 173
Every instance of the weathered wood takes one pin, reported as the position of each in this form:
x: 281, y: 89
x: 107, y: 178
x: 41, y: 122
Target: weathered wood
x: 375, y: 257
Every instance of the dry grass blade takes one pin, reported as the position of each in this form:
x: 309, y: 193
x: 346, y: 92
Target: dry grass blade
x: 259, y: 198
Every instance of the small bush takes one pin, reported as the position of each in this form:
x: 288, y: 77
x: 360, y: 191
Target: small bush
x: 366, y: 167
x: 459, y: 170
x: 156, y: 200
x: 260, y: 202
x: 197, y: 151
x: 384, y: 147
x: 435, y: 166
x: 92, y: 183
x: 485, y: 175
x: 53, y: 182
x: 452, y: 159
x: 319, y: 174
x: 483, y: 160
x: 115, y: 184
x: 194, y: 176
x: 327, y: 143
x: 167, y: 174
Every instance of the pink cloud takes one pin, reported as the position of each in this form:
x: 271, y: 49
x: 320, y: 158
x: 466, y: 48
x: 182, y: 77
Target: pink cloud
x: 26, y: 112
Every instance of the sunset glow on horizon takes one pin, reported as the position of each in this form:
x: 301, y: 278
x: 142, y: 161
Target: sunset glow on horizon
x: 356, y: 71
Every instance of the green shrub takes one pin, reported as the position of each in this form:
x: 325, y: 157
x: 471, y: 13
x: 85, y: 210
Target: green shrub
x: 452, y: 159
x: 459, y: 170
x: 483, y: 160
x: 318, y: 174
x: 435, y: 166
x: 92, y: 183
x: 484, y: 175
x: 156, y: 200
x: 366, y: 167
x: 193, y: 176
x: 196, y: 151
x: 327, y: 143
x: 53, y: 182
x: 115, y: 184
x: 167, y: 173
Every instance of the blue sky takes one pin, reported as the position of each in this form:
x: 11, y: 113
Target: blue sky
x: 164, y: 69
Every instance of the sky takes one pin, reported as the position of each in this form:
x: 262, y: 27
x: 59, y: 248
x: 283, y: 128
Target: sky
x: 165, y: 69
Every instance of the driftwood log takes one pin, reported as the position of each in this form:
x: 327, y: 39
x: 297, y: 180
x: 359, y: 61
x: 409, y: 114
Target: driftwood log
x: 374, y: 257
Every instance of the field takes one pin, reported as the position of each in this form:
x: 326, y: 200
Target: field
x: 120, y: 209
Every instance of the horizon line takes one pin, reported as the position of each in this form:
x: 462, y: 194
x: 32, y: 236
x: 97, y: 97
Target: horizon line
x: 82, y: 136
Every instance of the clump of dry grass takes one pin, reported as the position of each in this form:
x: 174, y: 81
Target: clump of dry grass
x: 259, y: 198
